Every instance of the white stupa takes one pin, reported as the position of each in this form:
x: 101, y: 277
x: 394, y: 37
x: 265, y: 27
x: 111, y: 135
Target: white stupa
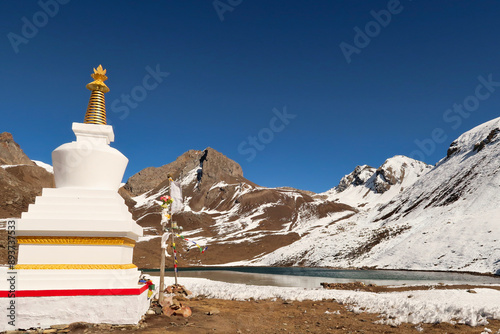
x: 76, y: 242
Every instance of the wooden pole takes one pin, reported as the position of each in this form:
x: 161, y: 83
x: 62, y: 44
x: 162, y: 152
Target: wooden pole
x: 175, y: 256
x: 162, y: 274
x: 174, y: 248
x: 162, y: 258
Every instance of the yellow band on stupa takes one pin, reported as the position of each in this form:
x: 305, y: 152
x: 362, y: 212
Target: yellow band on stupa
x: 76, y: 241
x: 73, y: 266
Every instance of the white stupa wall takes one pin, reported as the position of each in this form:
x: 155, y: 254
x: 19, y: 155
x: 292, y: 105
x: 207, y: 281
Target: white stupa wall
x: 80, y: 234
x: 76, y: 254
x: 76, y: 242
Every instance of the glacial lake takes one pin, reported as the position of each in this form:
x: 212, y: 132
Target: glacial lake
x: 312, y: 277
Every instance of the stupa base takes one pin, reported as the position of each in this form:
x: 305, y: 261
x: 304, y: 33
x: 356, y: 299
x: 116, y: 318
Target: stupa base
x: 43, y: 308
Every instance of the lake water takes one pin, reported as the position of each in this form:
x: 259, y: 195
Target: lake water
x: 312, y: 277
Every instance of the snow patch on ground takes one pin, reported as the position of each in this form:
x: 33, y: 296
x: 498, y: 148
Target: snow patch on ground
x: 9, y: 166
x: 424, y: 306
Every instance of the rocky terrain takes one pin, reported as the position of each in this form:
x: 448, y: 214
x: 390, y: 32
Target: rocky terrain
x: 403, y: 214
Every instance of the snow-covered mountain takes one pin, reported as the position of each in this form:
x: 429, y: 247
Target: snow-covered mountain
x: 404, y: 214
x: 453, y: 212
x: 448, y: 219
x: 366, y: 186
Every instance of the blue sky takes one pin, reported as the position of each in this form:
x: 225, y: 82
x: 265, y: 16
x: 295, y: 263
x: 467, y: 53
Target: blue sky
x: 297, y: 92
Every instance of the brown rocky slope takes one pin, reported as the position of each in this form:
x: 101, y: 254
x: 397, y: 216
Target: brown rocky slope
x: 237, y: 219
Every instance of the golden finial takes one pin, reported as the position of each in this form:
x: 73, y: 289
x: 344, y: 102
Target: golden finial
x: 96, y: 110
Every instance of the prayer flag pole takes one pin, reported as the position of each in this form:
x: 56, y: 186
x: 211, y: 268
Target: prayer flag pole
x: 165, y: 217
x: 162, y: 275
x: 172, y: 226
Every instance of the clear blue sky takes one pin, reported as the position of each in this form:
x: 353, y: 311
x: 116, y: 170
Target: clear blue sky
x: 227, y: 76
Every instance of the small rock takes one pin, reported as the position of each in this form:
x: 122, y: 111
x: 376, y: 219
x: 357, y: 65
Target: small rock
x: 185, y: 311
x: 62, y: 326
x: 167, y: 301
x: 213, y: 312
x: 168, y: 311
x: 471, y: 291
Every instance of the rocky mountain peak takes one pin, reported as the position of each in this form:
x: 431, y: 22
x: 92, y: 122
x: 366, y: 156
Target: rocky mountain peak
x: 216, y: 167
x: 358, y: 177
x: 150, y: 177
x: 208, y: 167
x: 394, y: 170
x: 378, y: 180
x: 11, y: 153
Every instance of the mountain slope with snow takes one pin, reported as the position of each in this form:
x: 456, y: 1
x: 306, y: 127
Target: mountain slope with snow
x: 448, y: 219
x: 404, y: 214
x: 453, y: 211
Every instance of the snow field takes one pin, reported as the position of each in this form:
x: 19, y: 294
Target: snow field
x: 425, y: 306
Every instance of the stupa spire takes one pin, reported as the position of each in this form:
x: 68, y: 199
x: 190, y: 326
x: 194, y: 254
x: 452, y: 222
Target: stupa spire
x: 96, y: 110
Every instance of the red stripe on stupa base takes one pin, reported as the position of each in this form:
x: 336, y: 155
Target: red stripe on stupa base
x: 75, y: 292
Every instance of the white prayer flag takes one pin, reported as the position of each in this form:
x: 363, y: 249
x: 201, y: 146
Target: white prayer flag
x: 164, y: 214
x: 176, y: 194
x: 164, y: 240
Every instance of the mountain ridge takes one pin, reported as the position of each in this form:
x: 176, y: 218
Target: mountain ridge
x: 404, y: 214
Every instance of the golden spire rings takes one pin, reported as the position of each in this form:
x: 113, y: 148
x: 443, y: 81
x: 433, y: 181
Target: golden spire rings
x: 96, y: 110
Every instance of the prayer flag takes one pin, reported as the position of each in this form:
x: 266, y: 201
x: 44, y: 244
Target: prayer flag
x: 176, y: 194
